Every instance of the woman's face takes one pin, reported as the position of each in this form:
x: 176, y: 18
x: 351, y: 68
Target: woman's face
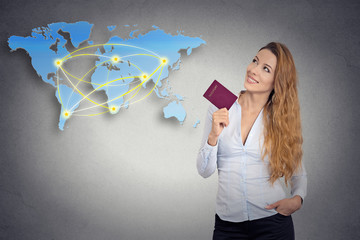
x: 260, y: 73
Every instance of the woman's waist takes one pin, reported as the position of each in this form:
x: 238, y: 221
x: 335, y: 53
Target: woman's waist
x: 259, y: 191
x: 238, y: 155
x: 243, y: 168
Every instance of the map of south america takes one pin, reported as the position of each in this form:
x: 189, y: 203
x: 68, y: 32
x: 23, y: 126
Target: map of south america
x: 125, y: 69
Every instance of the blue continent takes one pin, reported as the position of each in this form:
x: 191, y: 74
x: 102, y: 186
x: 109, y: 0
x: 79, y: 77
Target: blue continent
x: 179, y: 97
x: 196, y: 123
x: 176, y: 110
x: 69, y: 102
x: 160, y: 44
x: 116, y: 85
x: 45, y: 45
x: 164, y: 93
x: 38, y: 45
x: 111, y: 28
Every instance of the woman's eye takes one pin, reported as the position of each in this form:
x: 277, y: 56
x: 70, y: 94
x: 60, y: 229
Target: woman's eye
x: 254, y: 60
x: 266, y: 69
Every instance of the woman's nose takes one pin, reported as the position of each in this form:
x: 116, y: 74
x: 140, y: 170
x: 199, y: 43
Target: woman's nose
x: 254, y: 70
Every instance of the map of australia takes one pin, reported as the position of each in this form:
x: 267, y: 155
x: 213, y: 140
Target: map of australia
x: 92, y: 78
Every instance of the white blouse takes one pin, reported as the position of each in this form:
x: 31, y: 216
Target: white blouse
x: 244, y: 189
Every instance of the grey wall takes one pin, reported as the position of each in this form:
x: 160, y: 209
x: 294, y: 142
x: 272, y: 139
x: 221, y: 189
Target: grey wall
x: 133, y: 175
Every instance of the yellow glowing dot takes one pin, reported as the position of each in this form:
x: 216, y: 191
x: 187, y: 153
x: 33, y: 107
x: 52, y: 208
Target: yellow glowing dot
x: 113, y: 109
x: 145, y: 77
x: 58, y: 62
x: 163, y: 60
x: 66, y: 114
x: 115, y: 59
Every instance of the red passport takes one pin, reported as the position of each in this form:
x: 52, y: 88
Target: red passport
x: 220, y: 96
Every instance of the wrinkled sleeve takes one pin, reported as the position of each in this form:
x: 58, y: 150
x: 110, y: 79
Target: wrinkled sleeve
x: 299, y: 182
x: 207, y: 156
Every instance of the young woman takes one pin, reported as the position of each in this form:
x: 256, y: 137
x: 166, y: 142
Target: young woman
x: 253, y: 145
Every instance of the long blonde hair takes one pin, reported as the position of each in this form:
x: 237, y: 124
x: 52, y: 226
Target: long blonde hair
x: 282, y: 127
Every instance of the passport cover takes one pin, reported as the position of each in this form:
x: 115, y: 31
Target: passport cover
x: 220, y: 96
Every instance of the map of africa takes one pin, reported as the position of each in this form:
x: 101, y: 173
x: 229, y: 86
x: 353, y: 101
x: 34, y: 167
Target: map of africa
x: 65, y: 56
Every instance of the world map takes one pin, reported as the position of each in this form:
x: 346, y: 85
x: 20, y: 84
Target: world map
x: 126, y: 69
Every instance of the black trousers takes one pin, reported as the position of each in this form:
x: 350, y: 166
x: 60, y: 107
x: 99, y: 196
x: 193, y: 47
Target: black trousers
x: 277, y: 227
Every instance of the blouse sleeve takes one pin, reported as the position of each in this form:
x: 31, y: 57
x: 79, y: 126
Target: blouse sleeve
x: 299, y: 182
x: 207, y: 156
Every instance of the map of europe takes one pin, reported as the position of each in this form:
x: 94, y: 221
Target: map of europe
x: 126, y: 69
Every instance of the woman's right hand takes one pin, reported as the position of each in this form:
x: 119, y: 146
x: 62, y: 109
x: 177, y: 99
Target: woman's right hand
x: 220, y: 119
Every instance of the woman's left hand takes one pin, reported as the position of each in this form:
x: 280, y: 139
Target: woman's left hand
x: 286, y: 206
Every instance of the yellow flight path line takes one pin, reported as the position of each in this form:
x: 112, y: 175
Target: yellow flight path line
x: 133, y: 96
x: 131, y: 55
x: 109, y: 44
x: 152, y: 88
x: 139, y: 84
x: 96, y: 67
x: 90, y: 115
x: 96, y: 114
x: 99, y: 65
x: 112, y: 99
x: 141, y: 54
x: 121, y: 94
x: 150, y: 91
x: 84, y: 54
x: 107, y: 84
x: 80, y: 92
x: 97, y: 83
x: 107, y: 79
x: 118, y: 79
x: 105, y: 102
x: 137, y: 67
x: 82, y: 78
x: 58, y: 89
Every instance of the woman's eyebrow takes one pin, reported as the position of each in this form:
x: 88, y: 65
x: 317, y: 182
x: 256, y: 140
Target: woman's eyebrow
x: 264, y: 63
x: 268, y: 65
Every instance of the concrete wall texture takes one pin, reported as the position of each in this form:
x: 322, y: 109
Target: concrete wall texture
x: 133, y: 175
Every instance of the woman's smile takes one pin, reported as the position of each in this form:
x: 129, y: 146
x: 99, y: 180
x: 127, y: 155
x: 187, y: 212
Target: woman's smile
x: 251, y: 80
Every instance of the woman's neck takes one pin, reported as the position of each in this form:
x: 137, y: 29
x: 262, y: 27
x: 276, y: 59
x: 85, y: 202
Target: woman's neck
x: 253, y: 102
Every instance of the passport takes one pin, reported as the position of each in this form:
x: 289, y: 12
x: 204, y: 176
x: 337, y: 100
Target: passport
x: 220, y: 96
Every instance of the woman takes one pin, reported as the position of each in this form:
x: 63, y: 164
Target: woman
x: 253, y: 145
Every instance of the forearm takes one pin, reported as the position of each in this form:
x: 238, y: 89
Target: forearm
x: 206, y: 160
x: 298, y: 201
x: 207, y: 156
x: 299, y: 184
